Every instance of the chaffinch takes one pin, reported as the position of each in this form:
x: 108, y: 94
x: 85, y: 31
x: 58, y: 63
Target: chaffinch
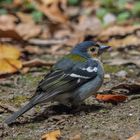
x: 71, y: 80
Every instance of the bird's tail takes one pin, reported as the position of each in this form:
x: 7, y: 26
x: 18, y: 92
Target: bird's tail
x: 15, y: 115
x: 34, y: 100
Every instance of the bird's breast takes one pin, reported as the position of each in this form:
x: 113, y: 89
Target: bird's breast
x: 101, y: 71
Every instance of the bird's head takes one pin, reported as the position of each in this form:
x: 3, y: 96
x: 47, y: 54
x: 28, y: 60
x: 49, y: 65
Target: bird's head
x: 90, y: 49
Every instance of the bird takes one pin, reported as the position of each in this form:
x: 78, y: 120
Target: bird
x: 71, y: 80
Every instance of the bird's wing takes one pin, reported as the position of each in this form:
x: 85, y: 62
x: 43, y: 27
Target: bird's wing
x: 63, y: 80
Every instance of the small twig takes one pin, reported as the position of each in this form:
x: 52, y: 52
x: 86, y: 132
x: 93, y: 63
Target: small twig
x: 8, y: 107
x: 41, y: 42
x: 37, y: 63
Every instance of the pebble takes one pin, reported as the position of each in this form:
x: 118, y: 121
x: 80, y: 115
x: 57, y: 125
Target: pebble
x: 114, y: 54
x: 107, y: 76
x: 121, y: 74
x: 130, y: 114
x: 109, y: 18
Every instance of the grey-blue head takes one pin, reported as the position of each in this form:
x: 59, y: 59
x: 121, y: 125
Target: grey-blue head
x: 89, y: 48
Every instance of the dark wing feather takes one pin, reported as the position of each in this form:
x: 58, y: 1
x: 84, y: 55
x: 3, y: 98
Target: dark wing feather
x: 60, y: 81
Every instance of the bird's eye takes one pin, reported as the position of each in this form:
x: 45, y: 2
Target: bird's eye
x: 92, y: 49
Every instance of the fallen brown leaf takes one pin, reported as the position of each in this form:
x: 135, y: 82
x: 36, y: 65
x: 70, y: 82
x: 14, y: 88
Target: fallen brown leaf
x: 54, y: 135
x: 9, y: 65
x: 90, y: 24
x: 135, y: 137
x: 17, y: 3
x: 114, y: 31
x: 9, y: 52
x: 28, y: 30
x: 52, y: 10
x: 76, y: 38
x: 24, y: 18
x: 111, y: 98
x: 7, y: 21
x: 10, y: 33
x: 24, y: 30
x: 7, y: 27
x: 8, y: 59
x: 124, y: 42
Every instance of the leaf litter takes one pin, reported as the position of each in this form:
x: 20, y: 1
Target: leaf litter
x: 9, y: 62
x: 54, y: 135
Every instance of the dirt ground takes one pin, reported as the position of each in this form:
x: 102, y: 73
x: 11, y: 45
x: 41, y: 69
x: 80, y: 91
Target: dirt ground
x: 93, y: 121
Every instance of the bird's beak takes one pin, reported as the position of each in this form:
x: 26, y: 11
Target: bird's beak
x: 103, y: 49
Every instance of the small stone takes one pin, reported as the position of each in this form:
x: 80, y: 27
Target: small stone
x: 130, y: 114
x: 114, y: 54
x: 131, y: 70
x: 107, y: 76
x: 121, y: 74
x: 86, y: 126
x: 109, y: 18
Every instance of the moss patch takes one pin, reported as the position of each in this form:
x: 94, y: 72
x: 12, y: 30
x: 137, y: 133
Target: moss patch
x: 114, y: 69
x: 30, y: 79
x: 18, y: 100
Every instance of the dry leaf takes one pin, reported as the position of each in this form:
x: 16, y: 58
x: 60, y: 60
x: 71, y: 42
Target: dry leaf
x: 8, y: 59
x: 75, y: 38
x: 111, y: 98
x: 127, y: 41
x: 135, y: 137
x: 47, y: 2
x: 7, y: 27
x: 17, y: 3
x: 53, y: 11
x: 117, y: 31
x: 92, y: 24
x: 10, y: 33
x: 7, y: 21
x: 51, y: 135
x: 28, y: 30
x: 24, y: 18
x: 9, y: 52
